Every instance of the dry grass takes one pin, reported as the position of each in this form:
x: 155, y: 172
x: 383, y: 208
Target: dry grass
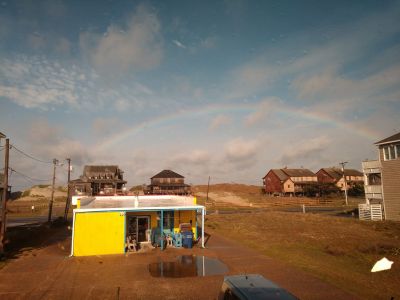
x: 338, y: 250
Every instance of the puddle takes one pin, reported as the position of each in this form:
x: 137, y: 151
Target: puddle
x: 188, y: 266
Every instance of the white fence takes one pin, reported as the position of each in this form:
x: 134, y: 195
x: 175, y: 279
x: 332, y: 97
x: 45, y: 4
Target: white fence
x: 370, y: 212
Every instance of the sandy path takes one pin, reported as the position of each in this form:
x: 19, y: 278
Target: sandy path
x: 48, y: 273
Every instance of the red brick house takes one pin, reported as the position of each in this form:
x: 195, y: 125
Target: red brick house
x: 288, y: 181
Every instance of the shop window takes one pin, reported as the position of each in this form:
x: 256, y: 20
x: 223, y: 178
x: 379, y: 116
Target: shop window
x: 168, y: 219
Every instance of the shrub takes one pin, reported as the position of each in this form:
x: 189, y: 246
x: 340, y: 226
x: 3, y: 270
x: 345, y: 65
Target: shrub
x: 356, y: 190
x: 26, y: 193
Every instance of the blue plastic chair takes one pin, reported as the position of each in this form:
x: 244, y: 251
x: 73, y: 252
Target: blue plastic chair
x: 177, y: 240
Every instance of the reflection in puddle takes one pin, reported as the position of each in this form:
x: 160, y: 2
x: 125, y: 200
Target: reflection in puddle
x: 188, y: 266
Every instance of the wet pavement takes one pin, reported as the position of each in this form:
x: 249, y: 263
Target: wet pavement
x: 188, y: 266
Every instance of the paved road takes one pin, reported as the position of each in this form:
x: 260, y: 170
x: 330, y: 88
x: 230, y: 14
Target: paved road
x: 309, y: 209
x: 18, y: 221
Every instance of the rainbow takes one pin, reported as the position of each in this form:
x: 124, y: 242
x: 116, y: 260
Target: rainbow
x: 242, y: 108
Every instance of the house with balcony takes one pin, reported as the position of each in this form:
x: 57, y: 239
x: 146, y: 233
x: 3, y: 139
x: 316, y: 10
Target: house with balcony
x: 382, y: 181
x: 98, y: 180
x: 288, y: 181
x: 167, y: 182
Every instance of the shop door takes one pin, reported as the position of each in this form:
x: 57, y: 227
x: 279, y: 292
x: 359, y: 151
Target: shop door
x: 142, y: 226
x: 137, y: 226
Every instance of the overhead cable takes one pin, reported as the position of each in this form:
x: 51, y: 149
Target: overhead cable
x: 30, y: 156
x: 28, y: 177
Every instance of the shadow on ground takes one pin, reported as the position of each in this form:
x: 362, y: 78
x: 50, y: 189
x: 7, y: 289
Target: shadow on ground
x: 27, y: 238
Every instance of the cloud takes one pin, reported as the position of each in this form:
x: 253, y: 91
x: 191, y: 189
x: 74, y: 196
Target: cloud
x: 279, y: 64
x: 265, y: 107
x: 105, y: 126
x: 135, y: 46
x: 36, y: 82
x: 242, y: 153
x: 49, y: 141
x: 179, y: 44
x: 219, y: 121
x: 191, y: 158
x: 305, y: 150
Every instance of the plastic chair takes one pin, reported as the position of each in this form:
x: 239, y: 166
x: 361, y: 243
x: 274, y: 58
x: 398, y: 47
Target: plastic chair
x: 177, y: 240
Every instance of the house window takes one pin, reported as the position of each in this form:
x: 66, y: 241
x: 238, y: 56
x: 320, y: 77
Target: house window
x: 391, y: 152
x: 374, y: 179
x: 288, y: 186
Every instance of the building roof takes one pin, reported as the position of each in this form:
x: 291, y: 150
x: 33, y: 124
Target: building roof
x: 334, y: 173
x: 169, y: 185
x: 167, y: 174
x: 298, y: 172
x: 337, y: 173
x: 135, y: 202
x: 390, y: 139
x: 281, y: 175
x: 100, y: 169
x: 284, y: 174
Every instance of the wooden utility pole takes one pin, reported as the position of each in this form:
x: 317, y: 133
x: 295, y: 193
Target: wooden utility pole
x: 343, y: 163
x: 55, y: 162
x: 5, y: 196
x: 67, y: 203
x: 208, y: 188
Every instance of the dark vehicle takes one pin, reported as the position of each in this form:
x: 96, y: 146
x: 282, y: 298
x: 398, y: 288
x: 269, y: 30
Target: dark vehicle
x: 252, y: 287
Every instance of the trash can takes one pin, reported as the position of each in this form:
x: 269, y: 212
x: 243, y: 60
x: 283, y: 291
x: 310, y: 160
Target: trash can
x: 187, y: 239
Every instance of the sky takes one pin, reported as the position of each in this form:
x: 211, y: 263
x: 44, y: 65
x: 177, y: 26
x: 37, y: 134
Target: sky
x: 227, y: 89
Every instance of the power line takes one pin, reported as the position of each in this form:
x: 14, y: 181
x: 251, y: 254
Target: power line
x: 30, y: 156
x: 28, y: 177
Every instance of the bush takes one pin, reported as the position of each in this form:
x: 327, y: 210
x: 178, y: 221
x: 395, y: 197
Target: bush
x: 320, y: 189
x: 356, y: 190
x: 26, y: 193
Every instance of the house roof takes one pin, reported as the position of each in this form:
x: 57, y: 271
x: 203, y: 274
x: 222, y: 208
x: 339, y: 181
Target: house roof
x: 390, y: 139
x: 167, y: 174
x: 100, y: 169
x: 298, y: 172
x: 336, y: 173
x: 281, y: 175
x: 169, y: 185
x: 284, y: 174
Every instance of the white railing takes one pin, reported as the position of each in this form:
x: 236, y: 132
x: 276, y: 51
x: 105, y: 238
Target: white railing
x: 373, y: 189
x: 368, y: 212
x: 371, y: 166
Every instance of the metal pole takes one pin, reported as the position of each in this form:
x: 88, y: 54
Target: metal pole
x: 202, y: 227
x: 67, y: 203
x: 344, y: 179
x: 162, y: 229
x: 55, y: 161
x: 5, y: 196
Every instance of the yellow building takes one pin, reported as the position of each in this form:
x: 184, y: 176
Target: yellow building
x: 102, y: 225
